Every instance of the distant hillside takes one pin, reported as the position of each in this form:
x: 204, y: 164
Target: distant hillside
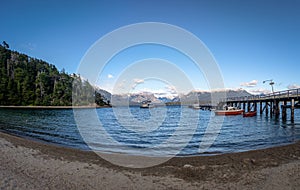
x: 28, y: 81
x: 106, y: 96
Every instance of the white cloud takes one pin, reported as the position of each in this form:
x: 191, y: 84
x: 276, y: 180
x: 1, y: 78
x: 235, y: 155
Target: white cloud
x: 110, y: 76
x: 249, y: 84
x: 201, y: 91
x: 293, y: 86
x: 169, y: 92
x: 171, y: 89
x: 158, y: 93
x: 260, y: 91
x: 137, y: 81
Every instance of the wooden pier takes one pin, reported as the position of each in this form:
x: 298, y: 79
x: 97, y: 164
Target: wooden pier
x: 270, y: 104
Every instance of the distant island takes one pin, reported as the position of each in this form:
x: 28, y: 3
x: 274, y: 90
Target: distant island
x: 27, y: 81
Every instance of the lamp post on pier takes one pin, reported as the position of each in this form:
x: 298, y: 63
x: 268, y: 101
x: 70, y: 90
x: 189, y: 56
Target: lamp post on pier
x: 271, y: 83
x: 275, y: 104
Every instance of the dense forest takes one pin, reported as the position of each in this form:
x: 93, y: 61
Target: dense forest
x: 29, y: 81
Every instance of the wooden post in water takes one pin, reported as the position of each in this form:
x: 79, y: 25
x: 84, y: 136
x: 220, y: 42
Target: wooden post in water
x: 255, y: 106
x: 271, y: 109
x: 277, y: 109
x: 244, y: 106
x: 267, y: 109
x: 261, y: 108
x: 248, y: 106
x: 292, y: 110
x: 284, y: 111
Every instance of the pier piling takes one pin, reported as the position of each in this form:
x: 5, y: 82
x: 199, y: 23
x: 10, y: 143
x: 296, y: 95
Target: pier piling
x: 284, y: 110
x: 248, y: 106
x: 276, y: 109
x: 260, y: 108
x: 292, y: 110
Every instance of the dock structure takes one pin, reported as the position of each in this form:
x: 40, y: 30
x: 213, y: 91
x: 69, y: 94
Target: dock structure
x: 269, y: 104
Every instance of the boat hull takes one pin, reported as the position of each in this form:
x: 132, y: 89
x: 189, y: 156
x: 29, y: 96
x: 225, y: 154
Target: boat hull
x: 147, y: 106
x: 250, y: 114
x: 229, y: 112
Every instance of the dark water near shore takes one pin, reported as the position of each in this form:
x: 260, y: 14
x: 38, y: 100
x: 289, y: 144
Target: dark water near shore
x: 237, y: 133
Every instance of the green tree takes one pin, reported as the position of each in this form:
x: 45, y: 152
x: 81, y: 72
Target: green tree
x: 30, y: 81
x: 5, y: 45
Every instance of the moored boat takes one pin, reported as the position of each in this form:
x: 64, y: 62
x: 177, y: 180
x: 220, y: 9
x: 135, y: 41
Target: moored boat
x: 249, y: 114
x: 229, y: 111
x: 195, y: 106
x: 146, y: 104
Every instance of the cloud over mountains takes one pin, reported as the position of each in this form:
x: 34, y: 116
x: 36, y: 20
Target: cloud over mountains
x: 252, y: 83
x: 293, y: 86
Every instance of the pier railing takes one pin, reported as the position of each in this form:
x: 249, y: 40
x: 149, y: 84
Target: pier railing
x: 286, y: 94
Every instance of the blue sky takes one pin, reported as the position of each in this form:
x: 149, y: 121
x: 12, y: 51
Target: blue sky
x: 251, y: 41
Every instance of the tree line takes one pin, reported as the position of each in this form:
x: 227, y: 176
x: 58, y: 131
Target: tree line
x: 29, y: 81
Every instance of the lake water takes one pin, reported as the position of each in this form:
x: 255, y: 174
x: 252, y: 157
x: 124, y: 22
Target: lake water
x: 236, y: 134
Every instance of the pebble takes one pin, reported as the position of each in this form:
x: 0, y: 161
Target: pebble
x: 246, y: 160
x: 274, y: 164
x: 253, y: 161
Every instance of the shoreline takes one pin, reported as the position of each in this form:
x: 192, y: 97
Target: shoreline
x: 28, y: 162
x: 204, y: 154
x: 54, y: 107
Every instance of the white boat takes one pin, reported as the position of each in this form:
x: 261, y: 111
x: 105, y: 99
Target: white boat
x: 195, y: 106
x: 146, y: 104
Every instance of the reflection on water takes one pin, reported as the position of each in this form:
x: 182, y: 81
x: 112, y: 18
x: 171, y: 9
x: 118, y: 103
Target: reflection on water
x: 237, y: 133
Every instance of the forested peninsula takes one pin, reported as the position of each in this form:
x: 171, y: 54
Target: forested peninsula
x: 27, y: 81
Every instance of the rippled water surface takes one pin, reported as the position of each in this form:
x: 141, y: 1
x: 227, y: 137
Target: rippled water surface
x: 159, y: 131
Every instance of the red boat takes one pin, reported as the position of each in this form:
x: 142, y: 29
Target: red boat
x: 229, y: 111
x: 249, y: 114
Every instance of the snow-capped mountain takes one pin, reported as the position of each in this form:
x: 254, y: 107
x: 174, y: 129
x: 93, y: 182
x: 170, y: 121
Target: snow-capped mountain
x: 203, y: 97
x: 134, y: 99
x: 168, y: 99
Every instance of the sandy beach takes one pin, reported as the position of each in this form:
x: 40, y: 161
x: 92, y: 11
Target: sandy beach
x: 27, y: 164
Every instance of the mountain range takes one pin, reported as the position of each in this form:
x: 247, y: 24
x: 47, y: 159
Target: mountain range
x: 204, y: 97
